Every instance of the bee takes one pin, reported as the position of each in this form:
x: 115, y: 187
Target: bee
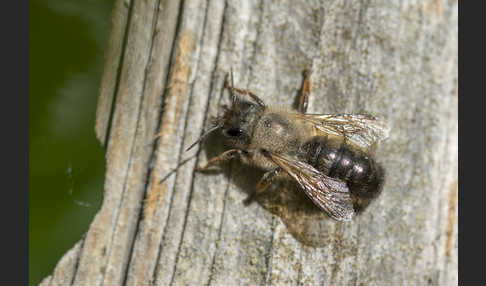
x: 328, y: 155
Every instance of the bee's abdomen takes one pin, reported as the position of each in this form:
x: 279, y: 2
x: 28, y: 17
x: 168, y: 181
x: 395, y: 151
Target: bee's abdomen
x: 336, y: 159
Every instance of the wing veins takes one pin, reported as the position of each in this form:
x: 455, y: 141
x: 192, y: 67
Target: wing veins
x: 361, y: 129
x: 329, y: 194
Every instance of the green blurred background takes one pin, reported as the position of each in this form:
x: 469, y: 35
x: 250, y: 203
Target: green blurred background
x: 67, y: 39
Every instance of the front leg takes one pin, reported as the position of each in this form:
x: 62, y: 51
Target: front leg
x: 225, y: 156
x: 253, y: 96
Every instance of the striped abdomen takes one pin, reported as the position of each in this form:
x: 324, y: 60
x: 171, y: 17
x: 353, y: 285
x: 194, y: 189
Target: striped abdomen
x: 337, y: 159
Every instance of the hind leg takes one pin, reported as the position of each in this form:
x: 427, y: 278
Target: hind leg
x: 266, y: 180
x: 305, y: 91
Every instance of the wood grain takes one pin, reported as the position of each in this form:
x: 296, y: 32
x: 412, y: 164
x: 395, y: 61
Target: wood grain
x: 158, y: 226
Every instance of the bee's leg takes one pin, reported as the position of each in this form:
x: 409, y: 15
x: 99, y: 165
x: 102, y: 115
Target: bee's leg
x: 245, y: 92
x: 215, y: 161
x: 266, y: 180
x: 305, y: 91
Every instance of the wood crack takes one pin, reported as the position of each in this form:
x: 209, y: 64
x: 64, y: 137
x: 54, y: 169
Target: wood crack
x: 152, y: 152
x: 78, y: 258
x: 269, y: 256
x: 106, y: 134
x: 220, y: 233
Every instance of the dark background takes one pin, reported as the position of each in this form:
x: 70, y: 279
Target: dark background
x: 67, y: 40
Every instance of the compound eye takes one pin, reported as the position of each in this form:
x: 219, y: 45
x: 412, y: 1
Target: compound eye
x: 234, y: 132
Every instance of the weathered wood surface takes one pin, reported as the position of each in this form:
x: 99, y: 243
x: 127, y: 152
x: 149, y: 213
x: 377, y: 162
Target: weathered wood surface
x: 164, y: 75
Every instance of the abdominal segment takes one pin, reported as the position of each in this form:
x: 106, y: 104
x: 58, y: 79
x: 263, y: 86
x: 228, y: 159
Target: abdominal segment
x: 337, y: 159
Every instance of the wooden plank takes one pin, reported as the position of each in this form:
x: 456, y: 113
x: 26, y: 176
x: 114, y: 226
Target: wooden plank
x: 163, y: 227
x: 113, y: 59
x: 66, y: 268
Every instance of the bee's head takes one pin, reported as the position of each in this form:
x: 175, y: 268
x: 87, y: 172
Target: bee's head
x: 238, y: 122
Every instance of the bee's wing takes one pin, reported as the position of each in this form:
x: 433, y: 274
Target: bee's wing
x: 361, y: 129
x: 329, y: 194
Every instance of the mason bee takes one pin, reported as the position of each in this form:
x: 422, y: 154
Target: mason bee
x: 328, y: 155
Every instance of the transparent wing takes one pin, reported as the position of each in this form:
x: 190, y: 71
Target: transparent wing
x: 361, y: 129
x: 329, y: 194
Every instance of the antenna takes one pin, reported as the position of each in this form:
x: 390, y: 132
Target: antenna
x: 204, y: 135
x: 233, y: 95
